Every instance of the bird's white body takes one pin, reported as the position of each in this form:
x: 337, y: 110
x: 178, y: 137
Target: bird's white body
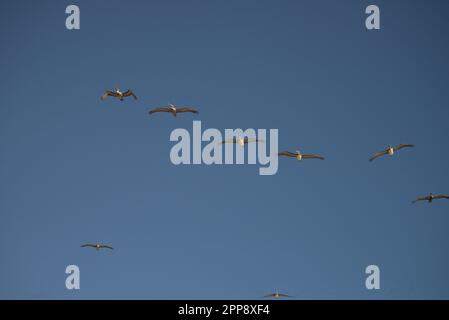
x: 173, y: 108
x: 298, y: 155
x: 117, y: 90
x: 391, y: 151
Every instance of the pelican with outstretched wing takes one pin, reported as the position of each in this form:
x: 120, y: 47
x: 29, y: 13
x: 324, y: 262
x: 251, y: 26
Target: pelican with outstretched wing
x: 431, y: 197
x: 299, y: 156
x: 173, y: 110
x: 97, y: 246
x: 118, y: 94
x: 241, y: 141
x: 277, y: 295
x: 390, y: 151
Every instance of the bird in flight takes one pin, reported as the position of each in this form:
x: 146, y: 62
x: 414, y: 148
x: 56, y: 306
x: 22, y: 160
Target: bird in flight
x: 173, y: 110
x: 118, y: 94
x: 299, y: 156
x: 97, y: 246
x: 276, y: 295
x: 241, y: 141
x: 431, y: 197
x: 390, y: 151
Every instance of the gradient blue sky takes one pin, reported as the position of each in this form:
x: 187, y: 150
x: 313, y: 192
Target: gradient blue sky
x: 74, y: 169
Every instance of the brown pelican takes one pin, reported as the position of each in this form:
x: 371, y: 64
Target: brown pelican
x: 241, y: 141
x: 118, y: 94
x: 299, y: 156
x: 173, y: 110
x: 97, y: 246
x: 390, y: 150
x: 431, y: 197
x: 276, y: 295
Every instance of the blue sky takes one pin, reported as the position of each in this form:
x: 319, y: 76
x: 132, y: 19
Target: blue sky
x: 74, y: 169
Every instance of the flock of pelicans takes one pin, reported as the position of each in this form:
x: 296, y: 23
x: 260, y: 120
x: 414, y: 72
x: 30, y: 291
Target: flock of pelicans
x: 174, y: 110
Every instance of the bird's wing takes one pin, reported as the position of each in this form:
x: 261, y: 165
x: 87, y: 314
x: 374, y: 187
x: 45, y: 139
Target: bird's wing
x: 128, y: 93
x: 269, y: 295
x: 187, y: 110
x: 106, y: 246
x: 283, y: 295
x: 248, y: 140
x: 441, y: 196
x: 379, y: 154
x: 420, y: 199
x: 161, y: 109
x: 399, y: 147
x: 108, y: 93
x: 287, y: 154
x: 88, y: 245
x: 312, y: 156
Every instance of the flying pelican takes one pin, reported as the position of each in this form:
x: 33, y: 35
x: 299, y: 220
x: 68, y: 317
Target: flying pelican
x: 276, y: 295
x: 431, y: 197
x: 173, y: 110
x: 390, y: 150
x: 299, y: 156
x: 97, y: 246
x: 241, y: 141
x: 118, y: 94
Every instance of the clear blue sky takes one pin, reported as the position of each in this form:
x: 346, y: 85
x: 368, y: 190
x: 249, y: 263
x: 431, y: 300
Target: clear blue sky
x: 74, y: 169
